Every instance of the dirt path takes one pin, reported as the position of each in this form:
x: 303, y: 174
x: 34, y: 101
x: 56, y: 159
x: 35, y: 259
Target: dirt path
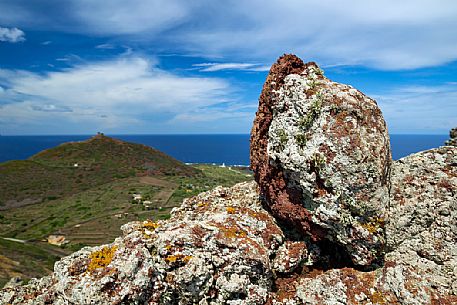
x: 15, y: 240
x: 157, y: 182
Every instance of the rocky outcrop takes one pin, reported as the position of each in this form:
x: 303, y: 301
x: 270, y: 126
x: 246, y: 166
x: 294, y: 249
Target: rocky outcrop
x: 453, y: 137
x: 223, y: 247
x: 216, y: 248
x: 14, y: 282
x: 290, y: 242
x: 420, y: 262
x: 321, y: 156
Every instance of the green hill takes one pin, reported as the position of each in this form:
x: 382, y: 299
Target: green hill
x: 77, y: 166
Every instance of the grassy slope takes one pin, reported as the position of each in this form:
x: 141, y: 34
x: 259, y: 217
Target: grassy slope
x: 90, y: 211
x: 26, y: 260
x: 50, y: 174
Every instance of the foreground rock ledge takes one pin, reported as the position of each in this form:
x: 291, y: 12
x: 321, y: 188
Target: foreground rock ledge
x: 222, y: 247
x: 320, y: 152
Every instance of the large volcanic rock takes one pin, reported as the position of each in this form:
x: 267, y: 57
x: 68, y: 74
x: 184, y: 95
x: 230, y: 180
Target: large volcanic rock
x: 321, y: 156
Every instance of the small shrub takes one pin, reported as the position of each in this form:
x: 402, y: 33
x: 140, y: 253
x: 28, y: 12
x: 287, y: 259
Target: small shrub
x: 307, y: 121
x: 282, y: 136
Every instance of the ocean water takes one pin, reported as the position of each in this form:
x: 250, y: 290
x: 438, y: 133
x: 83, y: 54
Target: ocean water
x: 228, y: 149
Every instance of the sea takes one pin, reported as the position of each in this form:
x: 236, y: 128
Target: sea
x: 219, y: 149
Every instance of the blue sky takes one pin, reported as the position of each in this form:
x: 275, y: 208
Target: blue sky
x: 177, y: 66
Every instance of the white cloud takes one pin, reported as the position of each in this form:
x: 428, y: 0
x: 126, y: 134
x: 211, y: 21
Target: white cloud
x: 11, y: 35
x: 213, y: 67
x: 383, y: 34
x: 117, y: 94
x: 107, y: 46
x: 96, y: 16
x: 51, y: 108
x: 141, y: 15
x: 420, y: 109
x: 388, y: 34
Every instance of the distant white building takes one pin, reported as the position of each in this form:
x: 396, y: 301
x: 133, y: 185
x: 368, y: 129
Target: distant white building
x: 137, y: 197
x: 75, y: 165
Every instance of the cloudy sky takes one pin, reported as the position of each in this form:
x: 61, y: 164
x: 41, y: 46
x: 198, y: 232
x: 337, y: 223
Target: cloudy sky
x: 180, y: 66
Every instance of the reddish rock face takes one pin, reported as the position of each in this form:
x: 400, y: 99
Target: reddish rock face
x: 271, y: 180
x: 320, y: 153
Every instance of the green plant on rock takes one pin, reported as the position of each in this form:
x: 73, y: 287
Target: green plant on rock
x: 282, y: 137
x: 318, y: 161
x: 318, y: 71
x: 301, y: 140
x: 313, y: 113
x: 312, y: 83
x: 320, y: 97
x: 334, y: 109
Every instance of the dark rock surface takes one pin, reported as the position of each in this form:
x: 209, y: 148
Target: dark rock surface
x: 453, y: 137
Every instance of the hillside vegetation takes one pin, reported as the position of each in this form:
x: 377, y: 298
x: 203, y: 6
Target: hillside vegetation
x: 78, y: 166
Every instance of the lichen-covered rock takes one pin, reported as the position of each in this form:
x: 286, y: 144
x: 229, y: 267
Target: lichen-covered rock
x: 422, y: 226
x: 452, y: 137
x: 215, y: 249
x: 290, y: 256
x: 321, y: 155
x: 421, y: 261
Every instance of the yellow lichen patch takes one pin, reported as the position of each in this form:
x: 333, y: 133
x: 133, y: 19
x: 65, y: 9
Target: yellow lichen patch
x: 178, y: 258
x: 231, y: 210
x: 101, y: 258
x: 378, y: 298
x: 374, y: 224
x: 201, y: 204
x: 233, y: 232
x: 150, y: 225
x: 168, y: 247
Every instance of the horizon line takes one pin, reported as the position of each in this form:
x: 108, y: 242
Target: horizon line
x: 181, y: 134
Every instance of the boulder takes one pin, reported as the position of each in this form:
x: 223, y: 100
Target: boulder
x: 14, y: 282
x: 452, y: 137
x: 320, y: 153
